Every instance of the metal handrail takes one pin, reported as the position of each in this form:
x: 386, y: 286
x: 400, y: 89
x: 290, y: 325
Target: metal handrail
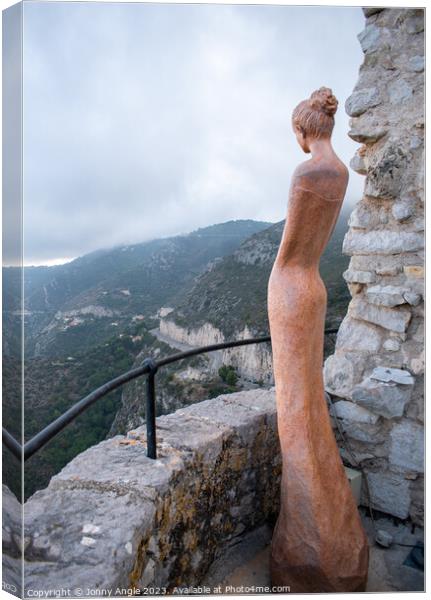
x: 148, y: 367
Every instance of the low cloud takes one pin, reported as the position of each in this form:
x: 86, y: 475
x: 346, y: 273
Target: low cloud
x: 143, y: 121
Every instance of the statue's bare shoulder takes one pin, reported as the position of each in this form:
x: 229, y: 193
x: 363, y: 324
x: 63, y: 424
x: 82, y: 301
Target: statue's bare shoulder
x: 325, y: 178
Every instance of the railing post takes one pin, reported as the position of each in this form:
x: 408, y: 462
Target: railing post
x: 150, y: 409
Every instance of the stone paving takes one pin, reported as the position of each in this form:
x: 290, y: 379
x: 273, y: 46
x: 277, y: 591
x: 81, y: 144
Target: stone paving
x: 245, y: 567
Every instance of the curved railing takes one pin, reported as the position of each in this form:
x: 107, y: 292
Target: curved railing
x: 149, y: 367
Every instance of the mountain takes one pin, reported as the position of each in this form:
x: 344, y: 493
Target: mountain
x: 85, y: 323
x: 233, y: 293
x: 228, y: 302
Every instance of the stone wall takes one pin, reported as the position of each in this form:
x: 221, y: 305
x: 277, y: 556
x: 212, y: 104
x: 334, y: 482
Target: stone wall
x: 376, y: 372
x: 114, y: 519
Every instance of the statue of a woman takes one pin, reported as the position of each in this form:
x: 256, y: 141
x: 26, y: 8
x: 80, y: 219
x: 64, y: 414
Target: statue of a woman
x: 319, y: 544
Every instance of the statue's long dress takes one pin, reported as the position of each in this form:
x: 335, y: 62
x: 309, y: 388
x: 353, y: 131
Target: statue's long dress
x: 319, y: 544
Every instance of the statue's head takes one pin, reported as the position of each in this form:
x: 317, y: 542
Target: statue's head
x: 314, y: 118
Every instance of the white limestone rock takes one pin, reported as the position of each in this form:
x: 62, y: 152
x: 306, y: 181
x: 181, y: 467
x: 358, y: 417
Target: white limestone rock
x: 402, y: 211
x: 407, y: 446
x: 359, y: 336
x: 382, y: 242
x: 365, y: 216
x: 388, y: 295
x: 341, y: 372
x: 392, y: 319
x: 352, y: 276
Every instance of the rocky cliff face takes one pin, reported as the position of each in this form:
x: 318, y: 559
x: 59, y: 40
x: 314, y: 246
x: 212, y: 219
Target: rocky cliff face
x: 252, y: 362
x: 377, y: 369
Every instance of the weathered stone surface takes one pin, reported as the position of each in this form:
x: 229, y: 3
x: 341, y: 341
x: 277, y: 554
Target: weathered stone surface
x: 388, y: 295
x: 403, y: 210
x: 371, y: 10
x: 417, y: 63
x: 415, y: 23
x: 359, y: 336
x: 392, y: 345
x: 341, y: 372
x: 352, y: 276
x: 358, y: 164
x: 364, y: 432
x: 385, y: 399
x: 352, y: 412
x: 368, y: 216
x: 367, y: 133
x: 369, y: 38
x: 115, y: 518
x: 399, y: 91
x: 390, y: 375
x: 382, y: 242
x: 386, y: 239
x: 362, y: 100
x: 407, y: 446
x: 389, y: 492
x: 415, y: 271
x: 392, y: 319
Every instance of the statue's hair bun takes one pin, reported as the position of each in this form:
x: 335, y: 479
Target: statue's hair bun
x: 324, y: 100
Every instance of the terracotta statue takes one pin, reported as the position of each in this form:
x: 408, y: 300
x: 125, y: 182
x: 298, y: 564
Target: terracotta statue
x: 319, y: 544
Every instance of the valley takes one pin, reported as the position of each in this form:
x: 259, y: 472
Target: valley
x: 94, y: 318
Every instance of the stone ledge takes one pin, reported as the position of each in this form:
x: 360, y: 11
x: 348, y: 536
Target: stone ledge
x: 113, y: 518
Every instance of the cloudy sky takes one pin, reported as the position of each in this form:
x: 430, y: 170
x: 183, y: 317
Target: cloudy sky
x: 143, y: 121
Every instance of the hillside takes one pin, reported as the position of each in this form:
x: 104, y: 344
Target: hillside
x: 85, y: 322
x: 233, y: 293
x: 228, y: 302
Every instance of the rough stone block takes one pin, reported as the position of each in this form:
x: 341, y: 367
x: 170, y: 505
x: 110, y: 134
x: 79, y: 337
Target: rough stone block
x: 385, y: 399
x: 389, y: 493
x: 382, y: 242
x: 352, y: 276
x: 393, y: 319
x: 407, y: 446
x: 399, y: 91
x: 369, y: 38
x: 362, y: 100
x: 402, y: 211
x: 367, y: 133
x: 392, y: 345
x: 387, y: 170
x: 352, y: 412
x: 391, y: 375
x: 387, y: 295
x: 364, y: 432
x: 414, y: 271
x: 341, y: 372
x: 359, y: 336
x: 417, y: 63
x: 357, y: 163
